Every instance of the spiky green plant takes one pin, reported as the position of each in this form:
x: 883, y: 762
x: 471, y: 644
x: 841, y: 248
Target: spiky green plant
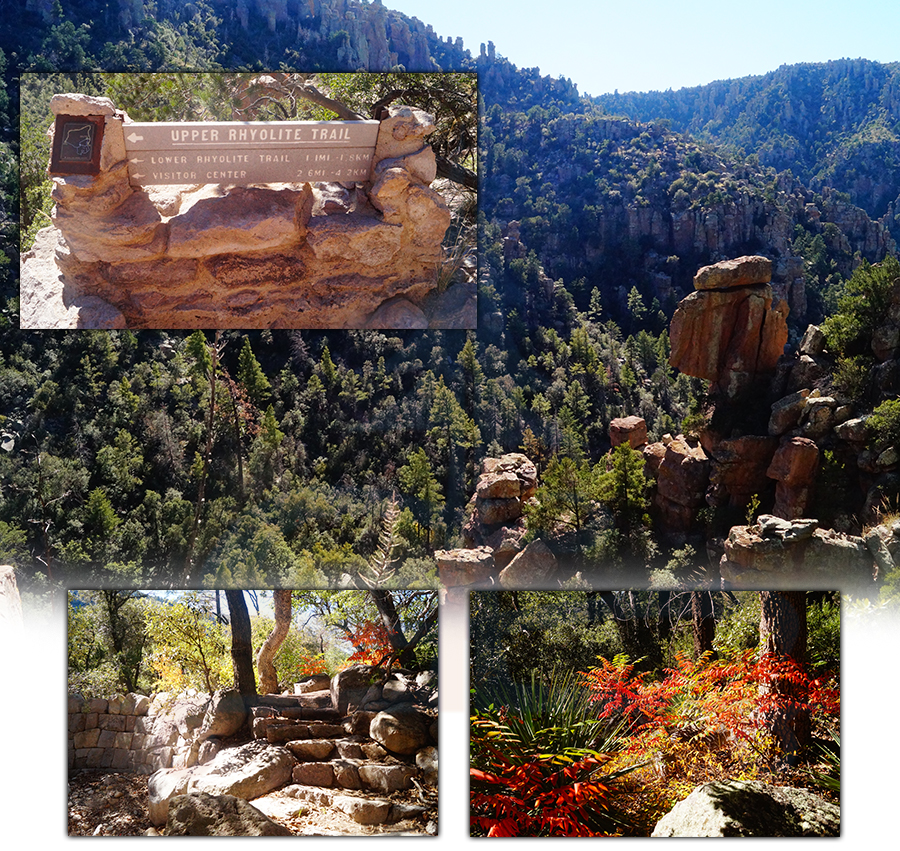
x: 538, y: 757
x: 830, y: 779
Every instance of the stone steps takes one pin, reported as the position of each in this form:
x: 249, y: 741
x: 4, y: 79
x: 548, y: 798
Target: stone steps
x: 370, y: 737
x: 331, y: 752
x: 363, y: 810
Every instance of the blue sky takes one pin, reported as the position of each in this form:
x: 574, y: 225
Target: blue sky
x: 642, y: 46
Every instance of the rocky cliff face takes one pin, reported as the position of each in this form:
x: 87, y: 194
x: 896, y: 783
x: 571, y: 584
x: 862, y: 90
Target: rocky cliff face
x: 368, y: 36
x: 616, y: 200
x: 833, y: 125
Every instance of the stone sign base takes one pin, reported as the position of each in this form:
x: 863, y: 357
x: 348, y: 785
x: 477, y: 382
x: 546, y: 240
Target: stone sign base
x: 303, y: 255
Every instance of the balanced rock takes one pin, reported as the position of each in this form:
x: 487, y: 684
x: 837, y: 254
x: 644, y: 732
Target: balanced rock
x: 503, y: 487
x: 729, y: 331
x: 632, y: 429
x: 740, y: 272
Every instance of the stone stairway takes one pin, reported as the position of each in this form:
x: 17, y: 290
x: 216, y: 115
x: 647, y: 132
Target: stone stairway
x: 345, y: 752
x: 365, y: 745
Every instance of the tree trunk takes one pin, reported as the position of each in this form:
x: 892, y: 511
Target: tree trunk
x: 241, y: 647
x: 404, y: 648
x: 783, y: 633
x: 268, y: 677
x: 390, y: 619
x: 664, y: 618
x: 703, y: 622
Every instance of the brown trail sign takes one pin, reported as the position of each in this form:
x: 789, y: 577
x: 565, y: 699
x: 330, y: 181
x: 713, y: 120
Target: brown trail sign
x: 244, y: 152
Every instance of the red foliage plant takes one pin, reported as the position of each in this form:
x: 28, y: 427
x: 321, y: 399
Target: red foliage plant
x: 540, y: 796
x: 517, y: 792
x: 310, y: 666
x: 371, y: 644
x: 738, y: 696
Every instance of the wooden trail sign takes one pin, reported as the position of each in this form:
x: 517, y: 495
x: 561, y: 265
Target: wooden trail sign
x: 242, y: 152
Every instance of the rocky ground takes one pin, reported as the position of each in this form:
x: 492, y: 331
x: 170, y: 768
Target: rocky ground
x: 115, y: 804
x: 102, y: 804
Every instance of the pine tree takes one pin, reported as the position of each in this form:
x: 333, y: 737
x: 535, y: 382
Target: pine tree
x: 251, y: 376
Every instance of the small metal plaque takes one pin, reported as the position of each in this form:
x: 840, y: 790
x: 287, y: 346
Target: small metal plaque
x: 77, y: 140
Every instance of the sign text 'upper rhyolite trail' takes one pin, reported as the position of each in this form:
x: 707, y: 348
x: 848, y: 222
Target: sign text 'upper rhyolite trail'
x: 243, y: 152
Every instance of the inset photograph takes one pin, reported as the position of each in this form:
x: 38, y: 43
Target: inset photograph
x: 252, y: 713
x: 250, y: 201
x: 655, y: 713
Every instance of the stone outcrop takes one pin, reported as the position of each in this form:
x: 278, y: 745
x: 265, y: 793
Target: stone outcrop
x: 533, y: 567
x: 202, y: 814
x: 681, y: 480
x: 750, y: 808
x: 739, y: 467
x: 464, y: 567
x: 730, y: 331
x: 794, y: 468
x: 266, y: 256
x: 798, y: 554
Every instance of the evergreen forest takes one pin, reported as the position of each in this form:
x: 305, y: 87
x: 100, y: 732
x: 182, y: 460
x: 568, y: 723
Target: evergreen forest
x: 275, y: 458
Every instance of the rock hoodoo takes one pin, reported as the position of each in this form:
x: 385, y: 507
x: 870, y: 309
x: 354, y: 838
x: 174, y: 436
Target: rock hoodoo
x: 494, y: 550
x: 730, y: 330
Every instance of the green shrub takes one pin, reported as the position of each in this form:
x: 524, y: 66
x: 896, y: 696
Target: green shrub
x: 851, y: 376
x: 862, y: 307
x: 884, y: 424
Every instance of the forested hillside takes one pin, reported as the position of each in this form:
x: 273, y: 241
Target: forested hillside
x: 831, y: 124
x: 116, y: 460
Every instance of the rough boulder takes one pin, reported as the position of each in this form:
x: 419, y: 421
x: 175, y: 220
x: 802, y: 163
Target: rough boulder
x: 750, y: 808
x: 218, y: 815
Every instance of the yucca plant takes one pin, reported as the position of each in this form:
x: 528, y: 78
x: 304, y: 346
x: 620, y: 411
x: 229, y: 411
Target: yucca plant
x: 830, y: 779
x: 537, y: 762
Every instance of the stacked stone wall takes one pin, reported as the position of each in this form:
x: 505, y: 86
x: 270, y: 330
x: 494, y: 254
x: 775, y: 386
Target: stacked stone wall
x: 118, y: 734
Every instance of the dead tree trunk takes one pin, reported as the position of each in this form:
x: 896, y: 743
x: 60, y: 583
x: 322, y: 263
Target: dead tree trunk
x: 268, y: 677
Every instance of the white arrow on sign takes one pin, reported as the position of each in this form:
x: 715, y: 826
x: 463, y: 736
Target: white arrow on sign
x: 133, y: 137
x: 137, y: 176
x: 135, y: 160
